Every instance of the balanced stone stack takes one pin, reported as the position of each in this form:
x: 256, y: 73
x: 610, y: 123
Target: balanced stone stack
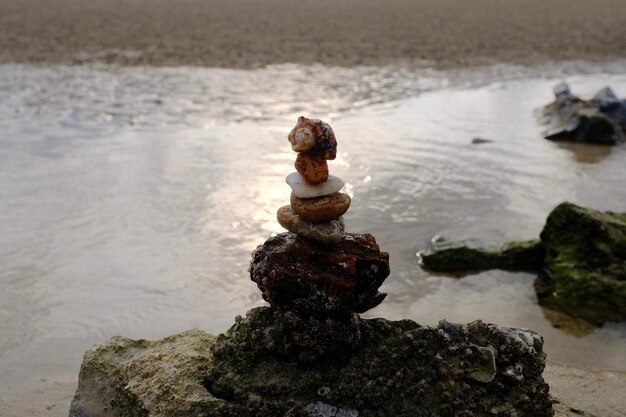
x: 316, y: 203
x: 310, y: 354
x: 317, y: 277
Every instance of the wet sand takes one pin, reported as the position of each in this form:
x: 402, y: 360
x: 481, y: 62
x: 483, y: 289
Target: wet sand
x: 45, y: 398
x: 253, y: 33
x: 599, y: 393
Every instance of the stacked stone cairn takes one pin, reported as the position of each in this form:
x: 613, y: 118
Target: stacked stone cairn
x: 317, y: 277
x: 310, y: 354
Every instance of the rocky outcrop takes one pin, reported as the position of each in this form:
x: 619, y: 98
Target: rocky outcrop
x: 601, y: 120
x: 580, y: 259
x: 399, y: 369
x: 124, y: 377
x: 515, y: 256
x: 585, y: 267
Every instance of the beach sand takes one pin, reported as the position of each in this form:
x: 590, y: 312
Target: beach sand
x: 253, y: 33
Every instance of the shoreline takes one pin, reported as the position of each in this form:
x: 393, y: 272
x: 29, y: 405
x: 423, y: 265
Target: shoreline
x: 253, y: 33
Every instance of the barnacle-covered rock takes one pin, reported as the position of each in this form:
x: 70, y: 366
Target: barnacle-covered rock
x: 328, y: 233
x: 400, y: 369
x: 314, y: 137
x: 321, y: 209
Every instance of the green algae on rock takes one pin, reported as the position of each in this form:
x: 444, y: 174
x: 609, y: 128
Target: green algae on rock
x: 581, y: 261
x: 399, y: 369
x: 585, y: 266
x: 124, y: 378
x: 514, y: 256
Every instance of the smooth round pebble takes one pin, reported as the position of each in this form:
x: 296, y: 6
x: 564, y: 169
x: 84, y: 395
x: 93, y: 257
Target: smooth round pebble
x: 328, y: 233
x: 303, y: 189
x: 320, y: 209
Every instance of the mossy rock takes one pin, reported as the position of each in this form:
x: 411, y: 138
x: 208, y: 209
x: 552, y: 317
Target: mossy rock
x: 585, y: 264
x: 514, y: 256
x: 140, y: 378
x: 400, y: 369
x: 580, y: 259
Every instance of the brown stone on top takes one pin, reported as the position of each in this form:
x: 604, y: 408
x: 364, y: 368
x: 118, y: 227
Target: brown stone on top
x: 314, y: 171
x: 315, y: 137
x: 320, y: 209
x: 302, y: 278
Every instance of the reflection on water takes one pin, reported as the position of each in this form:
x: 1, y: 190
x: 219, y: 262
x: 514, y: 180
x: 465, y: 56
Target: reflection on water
x: 572, y: 325
x: 587, y: 154
x: 131, y: 198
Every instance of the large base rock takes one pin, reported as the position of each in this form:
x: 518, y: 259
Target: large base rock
x: 399, y: 369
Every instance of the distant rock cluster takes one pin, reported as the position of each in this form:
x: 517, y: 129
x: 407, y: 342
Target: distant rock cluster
x: 601, y: 120
x: 580, y: 260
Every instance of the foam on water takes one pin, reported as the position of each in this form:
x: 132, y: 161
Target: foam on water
x: 131, y: 198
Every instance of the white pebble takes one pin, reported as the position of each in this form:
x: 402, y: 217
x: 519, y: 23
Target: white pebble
x: 303, y: 189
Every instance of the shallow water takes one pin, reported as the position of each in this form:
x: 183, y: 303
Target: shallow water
x: 131, y: 198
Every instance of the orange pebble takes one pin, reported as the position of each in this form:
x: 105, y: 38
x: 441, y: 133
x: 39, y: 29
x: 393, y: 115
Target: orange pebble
x: 313, y: 171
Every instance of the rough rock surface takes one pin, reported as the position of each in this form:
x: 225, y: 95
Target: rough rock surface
x: 400, y: 369
x: 601, y: 120
x: 318, y: 290
x: 581, y: 261
x: 515, y: 256
x: 124, y: 377
x: 585, y: 266
x: 300, y: 275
